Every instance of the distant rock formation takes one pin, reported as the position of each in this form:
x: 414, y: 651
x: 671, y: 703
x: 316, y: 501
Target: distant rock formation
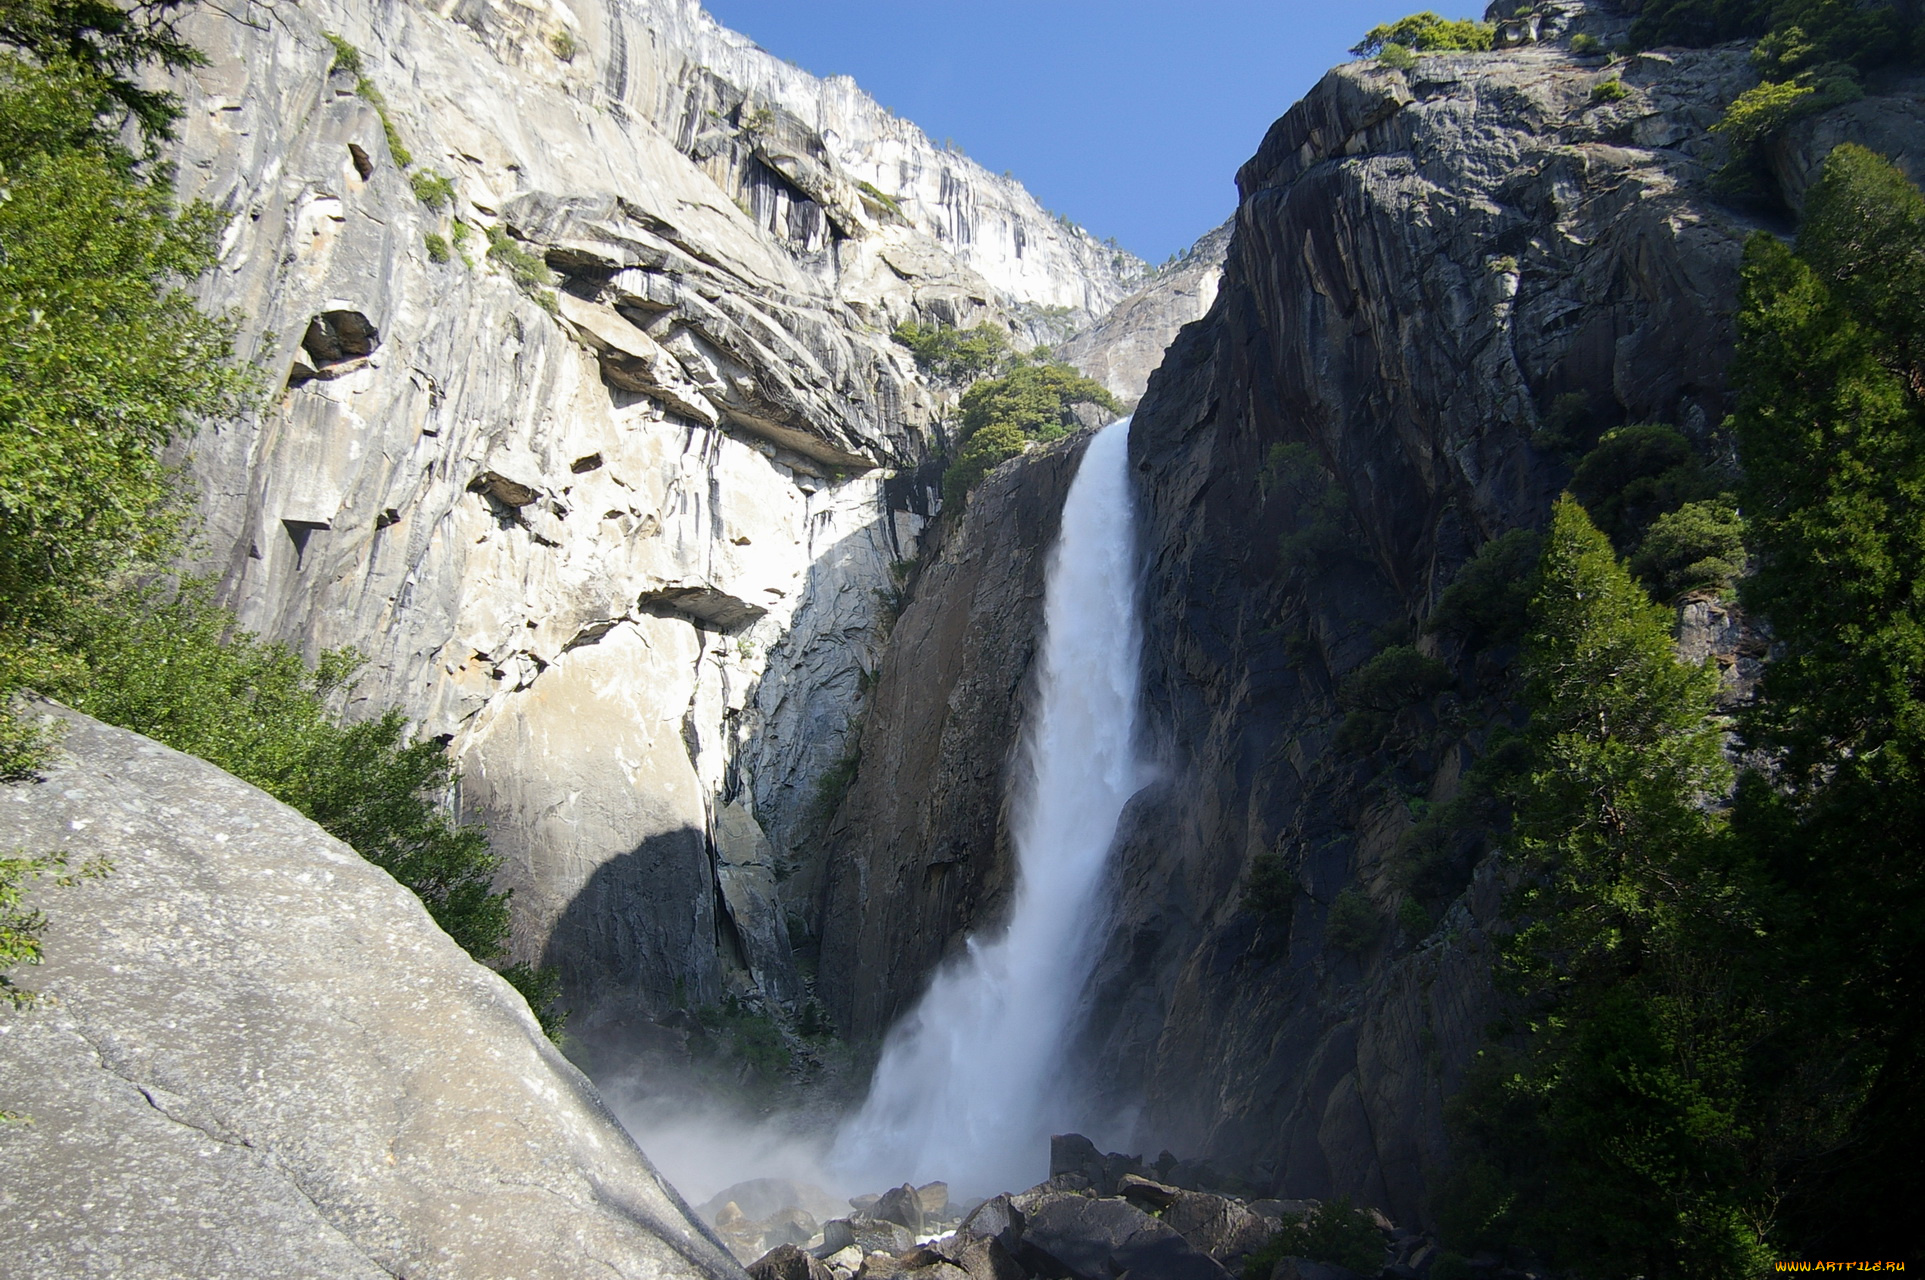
x: 257, y: 1056
x: 1124, y: 347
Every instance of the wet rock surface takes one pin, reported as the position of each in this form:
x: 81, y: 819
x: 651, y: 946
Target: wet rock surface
x: 918, y: 849
x: 258, y: 1057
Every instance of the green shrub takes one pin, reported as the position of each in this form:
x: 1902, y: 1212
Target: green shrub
x: 346, y: 57
x: 175, y: 668
x: 1586, y: 45
x: 1699, y: 546
x: 1636, y: 474
x: 1397, y: 678
x: 956, y: 356
x: 882, y: 200
x: 564, y: 44
x: 1426, y: 32
x: 1352, y: 924
x: 1412, y: 918
x: 1398, y: 57
x: 1488, y: 599
x: 366, y: 90
x: 1569, y: 425
x: 523, y: 267
x: 1000, y: 416
x: 432, y: 189
x: 1761, y: 111
x: 834, y: 784
x: 1334, y: 1233
x: 1271, y: 889
x: 1322, y: 529
x: 437, y: 244
x: 1611, y: 90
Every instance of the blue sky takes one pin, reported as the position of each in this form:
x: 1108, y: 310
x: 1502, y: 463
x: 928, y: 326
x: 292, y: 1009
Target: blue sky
x: 1130, y: 116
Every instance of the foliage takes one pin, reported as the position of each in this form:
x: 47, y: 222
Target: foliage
x: 175, y: 668
x: 346, y: 57
x: 1636, y: 474
x: 881, y: 199
x: 956, y: 356
x: 1352, y: 923
x: 1487, y: 600
x: 432, y: 189
x: 107, y: 361
x: 1569, y: 426
x: 365, y: 89
x: 1699, y: 546
x: 104, y: 48
x: 1832, y: 431
x: 1610, y: 89
x: 1614, y: 1139
x: 523, y: 267
x: 1412, y: 918
x: 437, y: 246
x: 1271, y: 889
x: 1000, y: 416
x: 21, y: 925
x: 1586, y: 45
x: 1426, y: 32
x: 1334, y: 1232
x: 1321, y: 528
x: 1821, y: 31
x: 1397, y: 678
x: 834, y: 784
x: 564, y: 44
x: 1761, y: 111
x: 1398, y: 57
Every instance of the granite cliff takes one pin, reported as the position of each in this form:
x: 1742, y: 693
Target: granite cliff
x: 1424, y: 266
x: 586, y: 427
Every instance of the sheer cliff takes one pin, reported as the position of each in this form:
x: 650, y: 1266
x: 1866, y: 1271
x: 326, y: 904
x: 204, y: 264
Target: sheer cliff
x: 585, y: 426
x: 1427, y: 271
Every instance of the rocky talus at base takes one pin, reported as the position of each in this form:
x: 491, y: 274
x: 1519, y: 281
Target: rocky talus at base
x: 1098, y: 1217
x: 257, y: 1057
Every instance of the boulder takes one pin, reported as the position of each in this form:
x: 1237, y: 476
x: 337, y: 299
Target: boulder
x: 934, y: 1198
x: 1098, y: 1239
x: 871, y: 1235
x: 902, y: 1205
x: 249, y: 1025
x: 996, y: 1219
x: 1226, y: 1229
x: 786, y: 1262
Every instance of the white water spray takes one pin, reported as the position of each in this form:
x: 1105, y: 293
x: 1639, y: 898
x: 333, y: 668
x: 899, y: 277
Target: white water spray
x: 970, y: 1083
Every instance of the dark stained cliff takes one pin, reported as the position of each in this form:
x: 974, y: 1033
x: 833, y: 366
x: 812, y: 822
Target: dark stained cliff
x: 918, y: 850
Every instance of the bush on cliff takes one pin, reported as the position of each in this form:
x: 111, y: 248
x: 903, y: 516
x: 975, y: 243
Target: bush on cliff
x: 1426, y: 32
x: 1001, y: 416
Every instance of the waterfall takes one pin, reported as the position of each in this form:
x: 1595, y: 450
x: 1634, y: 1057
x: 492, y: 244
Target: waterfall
x: 971, y: 1082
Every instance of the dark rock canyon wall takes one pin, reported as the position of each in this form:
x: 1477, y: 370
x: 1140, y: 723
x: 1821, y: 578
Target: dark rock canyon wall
x: 1422, y: 264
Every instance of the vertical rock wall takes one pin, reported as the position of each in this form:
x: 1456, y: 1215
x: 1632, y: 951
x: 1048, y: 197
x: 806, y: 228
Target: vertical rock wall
x: 601, y: 453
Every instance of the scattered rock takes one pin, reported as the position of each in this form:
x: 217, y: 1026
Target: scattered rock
x: 902, y: 1205
x: 866, y: 1233
x: 786, y: 1262
x: 1098, y: 1239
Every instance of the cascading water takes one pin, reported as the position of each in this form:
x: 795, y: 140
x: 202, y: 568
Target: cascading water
x: 970, y: 1083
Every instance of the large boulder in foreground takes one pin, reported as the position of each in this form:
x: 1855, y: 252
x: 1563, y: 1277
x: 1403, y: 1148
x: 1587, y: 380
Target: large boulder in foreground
x: 260, y: 1058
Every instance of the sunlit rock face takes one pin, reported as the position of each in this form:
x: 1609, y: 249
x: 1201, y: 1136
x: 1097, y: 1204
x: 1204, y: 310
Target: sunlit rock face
x: 624, y: 530
x: 1124, y: 348
x: 258, y: 1057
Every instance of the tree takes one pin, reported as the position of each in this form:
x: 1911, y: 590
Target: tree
x: 1613, y: 1135
x: 107, y: 361
x: 1832, y: 432
x: 107, y: 47
x: 1001, y: 416
x: 1426, y: 32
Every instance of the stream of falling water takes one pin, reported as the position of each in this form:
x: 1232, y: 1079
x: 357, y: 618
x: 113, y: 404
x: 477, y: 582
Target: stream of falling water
x: 971, y: 1082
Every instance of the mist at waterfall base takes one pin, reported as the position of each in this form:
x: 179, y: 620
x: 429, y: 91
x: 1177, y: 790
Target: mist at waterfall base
x: 972, y: 1082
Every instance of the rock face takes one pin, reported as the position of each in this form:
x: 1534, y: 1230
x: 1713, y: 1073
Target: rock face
x: 626, y: 536
x: 1423, y: 264
x: 1124, y: 348
x: 260, y: 1058
x: 919, y: 847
